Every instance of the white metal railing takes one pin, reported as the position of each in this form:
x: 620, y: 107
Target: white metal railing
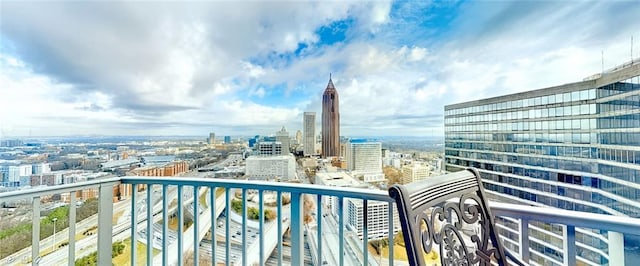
x: 616, y: 226
x: 205, y: 221
x: 295, y: 191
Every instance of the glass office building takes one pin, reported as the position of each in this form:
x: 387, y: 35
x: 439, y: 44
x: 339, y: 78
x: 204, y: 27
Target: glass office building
x: 574, y: 146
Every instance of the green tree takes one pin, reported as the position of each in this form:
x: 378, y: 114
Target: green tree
x: 236, y: 205
x: 269, y: 215
x: 253, y: 213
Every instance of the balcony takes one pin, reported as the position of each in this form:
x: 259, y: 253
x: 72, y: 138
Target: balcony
x: 300, y: 231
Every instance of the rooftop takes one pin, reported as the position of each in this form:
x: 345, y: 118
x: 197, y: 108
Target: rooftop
x: 620, y: 73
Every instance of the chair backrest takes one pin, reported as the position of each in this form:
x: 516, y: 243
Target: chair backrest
x: 449, y: 211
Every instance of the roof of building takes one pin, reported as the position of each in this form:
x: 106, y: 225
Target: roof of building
x: 159, y: 158
x: 330, y: 86
x: 118, y: 163
x: 272, y: 157
x: 620, y: 73
x: 363, y: 141
x: 339, y: 179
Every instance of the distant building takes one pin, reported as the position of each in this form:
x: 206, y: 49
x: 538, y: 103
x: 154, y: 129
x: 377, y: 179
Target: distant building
x: 158, y: 160
x: 168, y: 169
x: 378, y: 218
x: 438, y: 164
x: 298, y: 137
x: 364, y: 158
x: 309, y: 163
x: 414, y: 172
x: 50, y: 179
x: 41, y: 168
x: 268, y: 148
x: 253, y: 141
x: 337, y: 162
x: 342, y: 150
x: 309, y: 127
x: 227, y: 139
x: 112, y: 165
x: 330, y: 122
x: 11, y: 174
x: 336, y: 179
x: 212, y: 138
x: 270, y: 167
x: 377, y: 212
x: 282, y: 136
x: 11, y: 143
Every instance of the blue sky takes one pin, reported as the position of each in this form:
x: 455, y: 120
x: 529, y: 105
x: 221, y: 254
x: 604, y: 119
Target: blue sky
x: 246, y: 68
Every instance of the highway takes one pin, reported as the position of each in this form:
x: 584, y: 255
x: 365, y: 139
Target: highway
x: 62, y: 236
x: 122, y: 230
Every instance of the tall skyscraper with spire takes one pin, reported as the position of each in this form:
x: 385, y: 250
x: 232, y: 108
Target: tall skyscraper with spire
x: 330, y: 121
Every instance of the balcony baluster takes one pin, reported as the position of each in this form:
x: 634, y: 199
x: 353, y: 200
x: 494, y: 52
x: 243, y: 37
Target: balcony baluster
x: 134, y: 223
x: 149, y: 224
x: 35, y: 232
x: 72, y: 229
x: 180, y: 225
x: 196, y: 225
x: 574, y: 222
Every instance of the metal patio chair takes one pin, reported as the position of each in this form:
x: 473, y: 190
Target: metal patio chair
x: 449, y: 212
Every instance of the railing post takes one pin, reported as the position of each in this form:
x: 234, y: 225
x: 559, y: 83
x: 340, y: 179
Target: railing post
x: 279, y: 210
x: 149, y: 224
x: 227, y: 213
x: 165, y: 226
x: 570, y: 245
x: 341, y: 231
x: 180, y: 225
x: 261, y: 225
x: 72, y: 229
x: 134, y: 223
x: 35, y: 232
x: 244, y: 227
x: 212, y: 206
x: 319, y: 227
x: 196, y: 225
x: 391, y: 231
x: 524, y: 239
x: 365, y: 231
x: 297, y: 239
x: 105, y: 224
x: 616, y: 248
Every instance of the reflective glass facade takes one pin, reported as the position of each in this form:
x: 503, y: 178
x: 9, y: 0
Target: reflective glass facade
x: 575, y: 146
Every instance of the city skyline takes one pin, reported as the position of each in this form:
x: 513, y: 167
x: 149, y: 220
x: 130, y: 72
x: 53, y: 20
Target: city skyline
x: 187, y: 70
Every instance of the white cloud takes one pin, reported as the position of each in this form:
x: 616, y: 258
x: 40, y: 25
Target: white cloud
x: 259, y: 92
x: 188, y: 69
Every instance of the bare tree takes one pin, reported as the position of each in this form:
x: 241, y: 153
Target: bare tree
x: 392, y: 174
x: 308, y: 206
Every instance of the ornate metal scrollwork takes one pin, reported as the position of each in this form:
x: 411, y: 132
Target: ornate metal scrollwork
x: 453, y: 216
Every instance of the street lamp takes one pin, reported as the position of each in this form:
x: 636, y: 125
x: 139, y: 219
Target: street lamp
x: 54, y: 234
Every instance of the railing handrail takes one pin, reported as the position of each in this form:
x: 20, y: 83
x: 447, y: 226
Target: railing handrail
x: 48, y: 190
x: 346, y: 192
x: 621, y: 224
x: 605, y: 222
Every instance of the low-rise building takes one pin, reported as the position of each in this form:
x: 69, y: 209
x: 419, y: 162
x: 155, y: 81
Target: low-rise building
x: 377, y: 212
x: 169, y: 169
x: 414, y: 172
x: 269, y: 167
x: 378, y: 218
x: 269, y: 148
